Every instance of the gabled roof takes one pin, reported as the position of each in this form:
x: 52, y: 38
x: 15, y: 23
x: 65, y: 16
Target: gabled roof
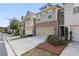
x: 45, y: 6
x: 49, y: 5
x: 29, y: 12
x: 28, y: 15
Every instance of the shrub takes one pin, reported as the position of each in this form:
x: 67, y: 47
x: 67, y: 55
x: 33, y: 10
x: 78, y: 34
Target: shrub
x: 52, y: 39
x: 9, y: 33
x: 16, y: 33
x: 49, y: 38
x: 62, y: 41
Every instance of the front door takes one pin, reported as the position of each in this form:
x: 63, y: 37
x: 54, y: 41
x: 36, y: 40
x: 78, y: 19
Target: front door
x: 61, y: 31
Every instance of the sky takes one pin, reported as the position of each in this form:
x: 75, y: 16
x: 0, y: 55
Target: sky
x: 10, y: 10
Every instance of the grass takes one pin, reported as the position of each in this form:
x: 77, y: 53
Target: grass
x: 15, y: 38
x: 38, y: 52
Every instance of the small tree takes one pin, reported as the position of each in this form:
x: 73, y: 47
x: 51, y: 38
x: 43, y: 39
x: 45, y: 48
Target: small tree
x: 14, y: 25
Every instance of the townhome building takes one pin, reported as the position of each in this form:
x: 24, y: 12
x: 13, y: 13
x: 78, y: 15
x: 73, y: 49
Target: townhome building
x: 29, y: 26
x: 22, y: 27
x: 71, y: 19
x: 49, y: 21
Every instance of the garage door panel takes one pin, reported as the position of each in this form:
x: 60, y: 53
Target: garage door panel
x: 75, y: 33
x: 45, y: 31
x: 29, y: 31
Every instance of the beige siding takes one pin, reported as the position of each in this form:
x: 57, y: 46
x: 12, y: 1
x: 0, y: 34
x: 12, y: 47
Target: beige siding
x: 29, y: 27
x: 45, y: 26
x: 70, y: 17
x: 45, y: 18
x: 29, y: 23
x: 71, y: 20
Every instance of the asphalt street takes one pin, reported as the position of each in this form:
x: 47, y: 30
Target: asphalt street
x: 3, y: 51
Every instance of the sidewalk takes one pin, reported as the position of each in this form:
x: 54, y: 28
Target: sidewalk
x: 23, y: 45
x: 71, y: 50
x: 8, y: 48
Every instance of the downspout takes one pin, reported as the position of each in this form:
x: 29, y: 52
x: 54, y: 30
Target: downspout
x: 58, y: 18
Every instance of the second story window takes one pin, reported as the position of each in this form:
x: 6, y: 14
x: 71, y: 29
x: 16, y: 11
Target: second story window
x: 38, y: 17
x: 28, y: 21
x: 76, y: 9
x: 43, y: 15
x: 49, y: 14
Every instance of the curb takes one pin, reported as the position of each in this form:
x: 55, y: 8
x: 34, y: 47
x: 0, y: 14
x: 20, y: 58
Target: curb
x: 10, y: 45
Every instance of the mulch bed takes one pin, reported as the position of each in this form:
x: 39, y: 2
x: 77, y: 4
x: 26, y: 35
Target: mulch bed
x: 51, y: 48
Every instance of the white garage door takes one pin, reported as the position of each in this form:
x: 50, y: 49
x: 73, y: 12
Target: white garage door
x: 75, y: 33
x: 44, y: 31
x: 28, y: 31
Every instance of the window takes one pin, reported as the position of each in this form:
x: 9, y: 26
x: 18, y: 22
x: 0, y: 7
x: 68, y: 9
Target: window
x: 28, y: 19
x: 38, y: 17
x: 49, y: 14
x: 62, y: 12
x: 43, y: 15
x: 76, y: 9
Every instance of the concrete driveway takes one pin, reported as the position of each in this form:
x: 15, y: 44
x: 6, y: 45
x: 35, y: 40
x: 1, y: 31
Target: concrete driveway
x: 71, y: 50
x: 23, y: 45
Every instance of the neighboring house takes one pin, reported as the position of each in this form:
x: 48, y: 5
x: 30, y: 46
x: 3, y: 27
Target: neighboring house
x: 22, y: 27
x: 71, y: 19
x: 9, y: 30
x: 49, y: 20
x: 30, y: 20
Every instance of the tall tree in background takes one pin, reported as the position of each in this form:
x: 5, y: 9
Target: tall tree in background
x: 14, y: 24
x: 2, y: 29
